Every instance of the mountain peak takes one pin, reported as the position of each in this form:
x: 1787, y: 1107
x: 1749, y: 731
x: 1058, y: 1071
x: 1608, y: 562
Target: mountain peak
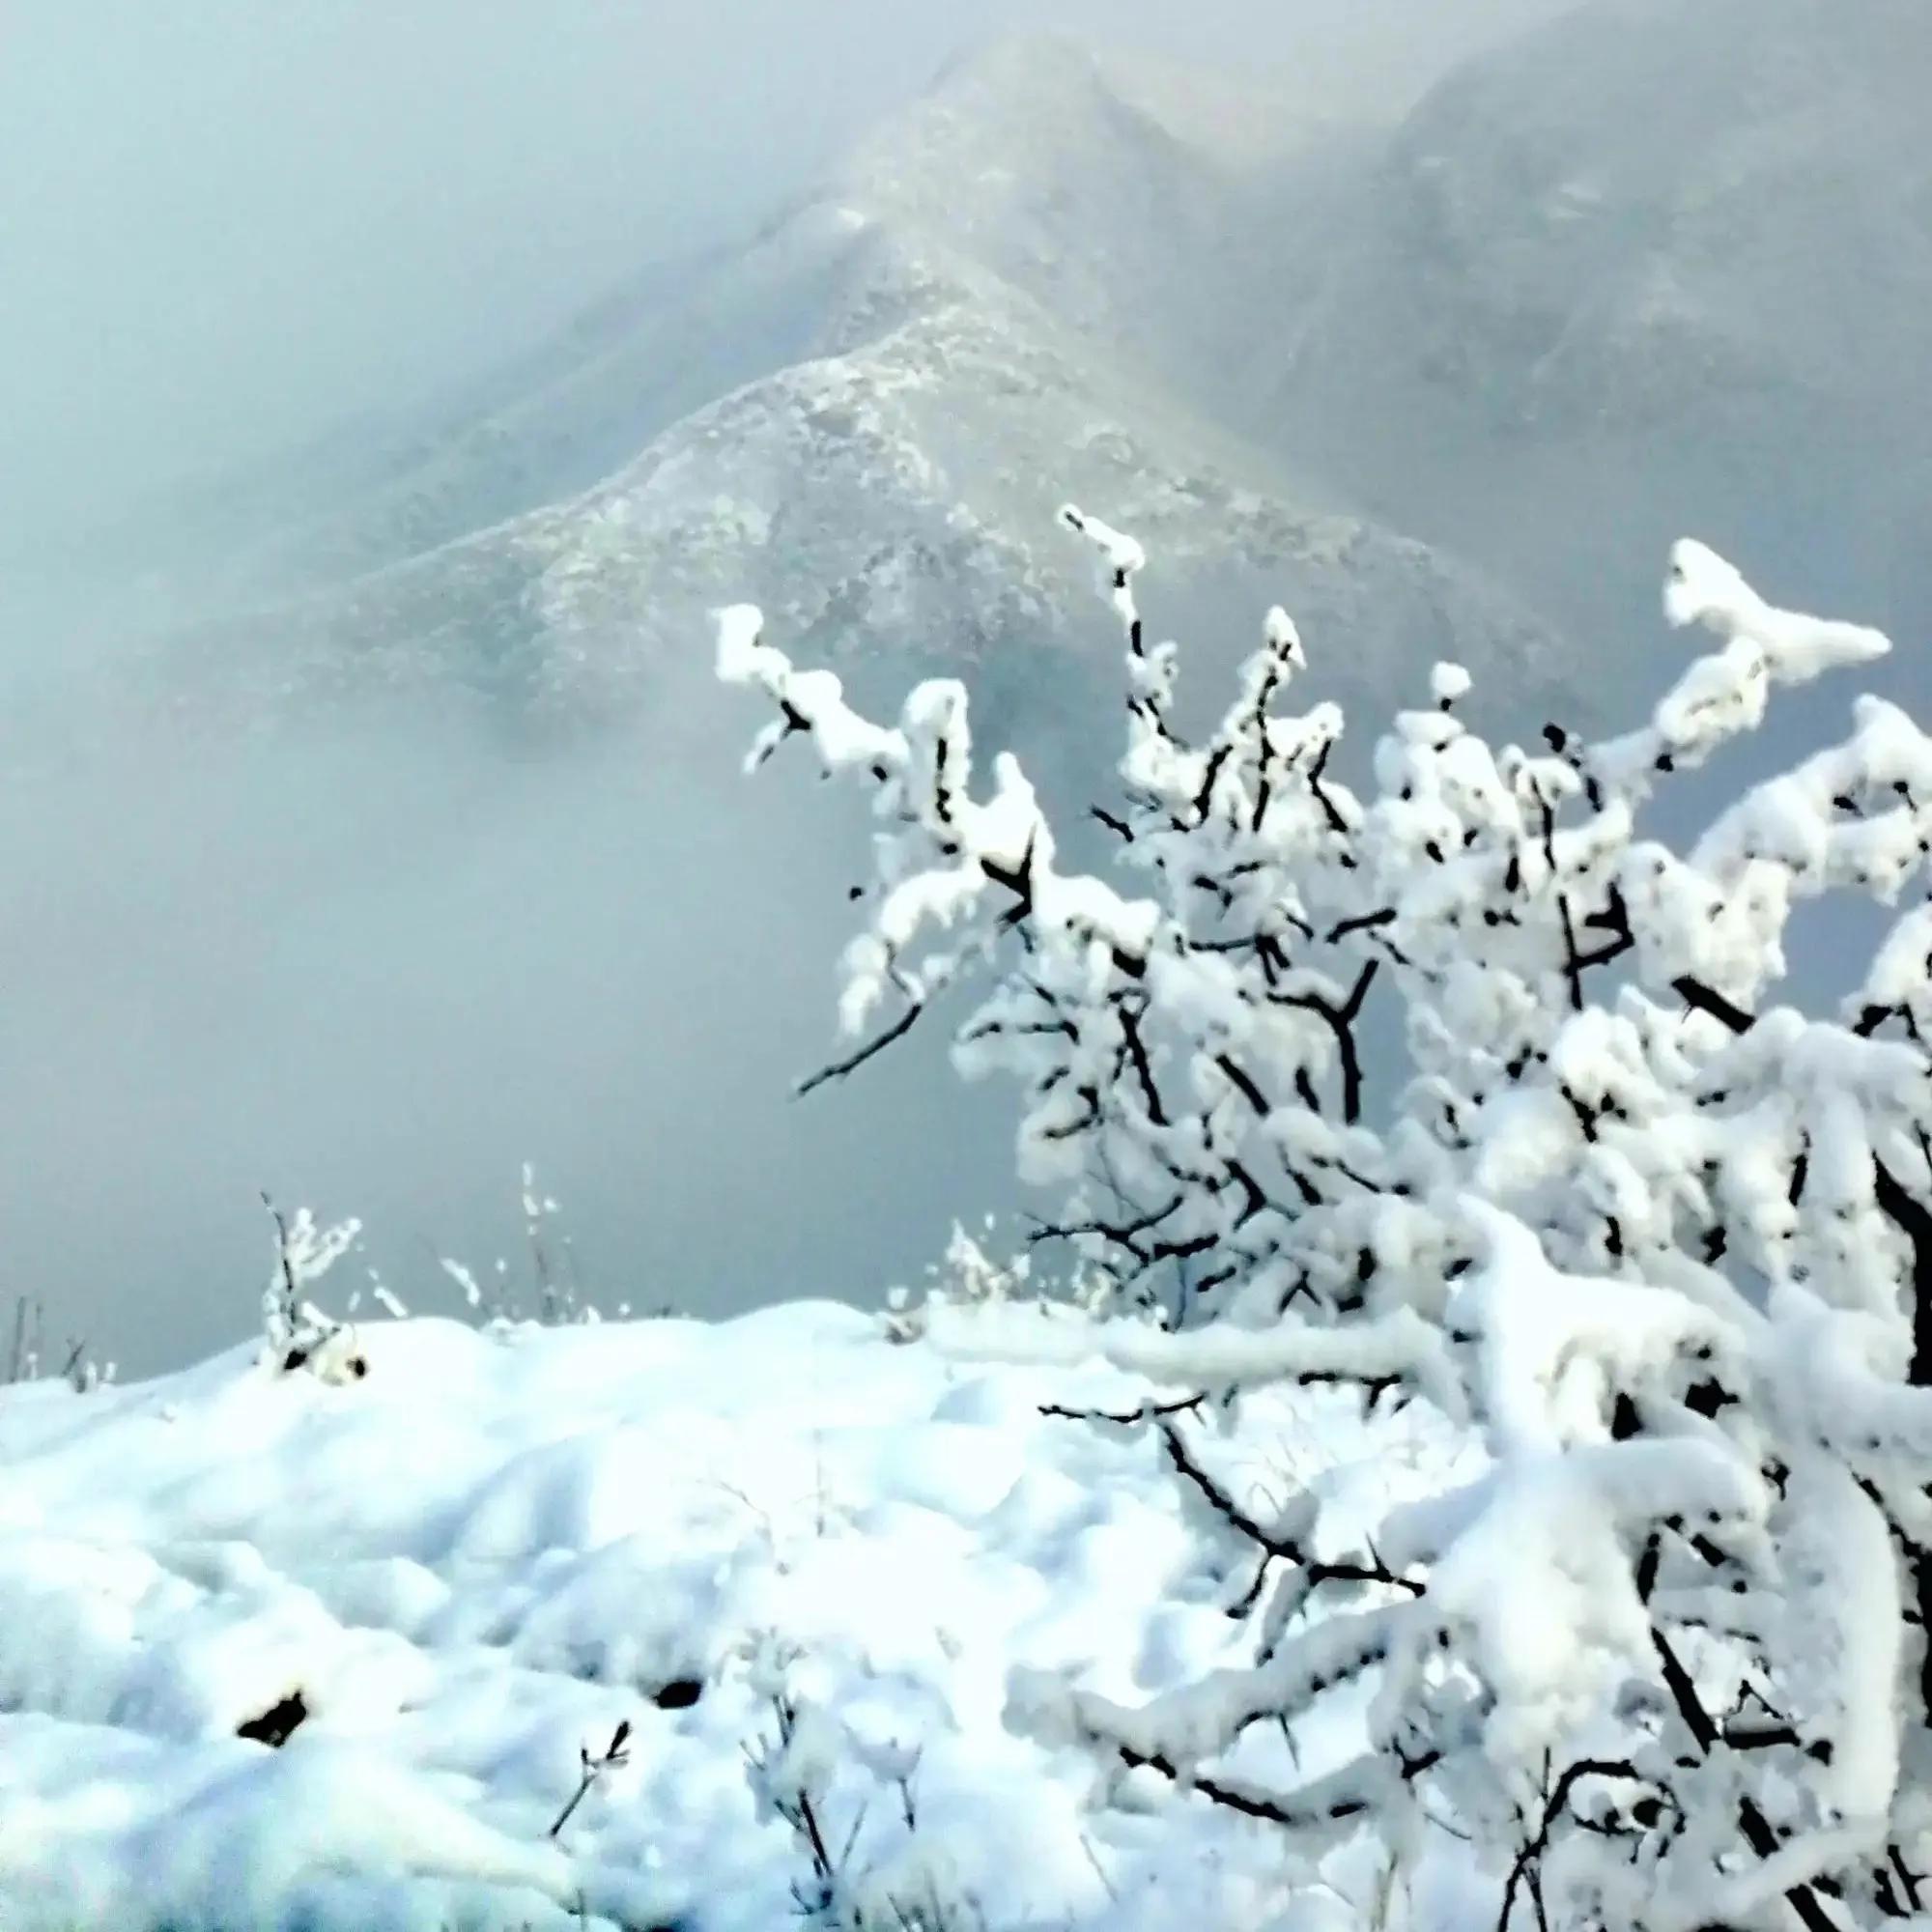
x: 1055, y: 91
x: 1011, y: 111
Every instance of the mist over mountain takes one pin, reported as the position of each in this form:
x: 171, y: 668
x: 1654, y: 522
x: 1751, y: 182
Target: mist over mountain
x: 378, y: 812
x: 1441, y: 385
x: 891, y: 1260
x: 1648, y: 268
x: 1024, y: 288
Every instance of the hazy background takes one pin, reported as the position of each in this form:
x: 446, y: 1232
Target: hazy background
x: 377, y: 963
x: 226, y: 224
x: 375, y: 954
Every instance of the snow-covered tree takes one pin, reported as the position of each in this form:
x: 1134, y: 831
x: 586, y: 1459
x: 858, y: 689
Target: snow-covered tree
x: 1659, y: 1240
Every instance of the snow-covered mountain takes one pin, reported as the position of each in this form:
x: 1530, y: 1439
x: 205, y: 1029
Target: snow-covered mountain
x: 1446, y: 389
x: 1025, y: 288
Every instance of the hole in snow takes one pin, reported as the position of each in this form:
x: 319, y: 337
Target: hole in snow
x: 277, y: 1723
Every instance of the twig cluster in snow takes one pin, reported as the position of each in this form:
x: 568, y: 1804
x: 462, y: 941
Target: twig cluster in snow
x: 25, y: 1357
x: 966, y: 1276
x: 556, y: 1289
x: 590, y: 1769
x: 850, y: 1881
x: 1662, y: 1240
x: 296, y: 1333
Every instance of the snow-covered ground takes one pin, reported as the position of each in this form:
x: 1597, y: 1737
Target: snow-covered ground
x: 487, y: 1553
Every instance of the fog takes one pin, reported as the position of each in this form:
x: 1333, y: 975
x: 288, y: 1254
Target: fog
x: 375, y: 967
x: 373, y: 961
x: 226, y: 225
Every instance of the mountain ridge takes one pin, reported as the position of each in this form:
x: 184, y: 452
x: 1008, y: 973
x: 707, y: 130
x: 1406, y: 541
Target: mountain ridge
x: 973, y: 335
x: 1435, y: 389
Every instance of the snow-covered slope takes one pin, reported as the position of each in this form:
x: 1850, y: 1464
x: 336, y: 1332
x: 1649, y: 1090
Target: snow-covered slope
x: 495, y: 1547
x: 899, y: 497
x: 1026, y: 287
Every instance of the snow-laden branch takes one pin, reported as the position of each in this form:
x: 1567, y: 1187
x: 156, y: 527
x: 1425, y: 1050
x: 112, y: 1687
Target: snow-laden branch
x: 1659, y: 1242
x: 1398, y: 1347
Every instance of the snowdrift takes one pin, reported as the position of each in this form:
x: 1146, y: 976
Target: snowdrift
x: 460, y: 1572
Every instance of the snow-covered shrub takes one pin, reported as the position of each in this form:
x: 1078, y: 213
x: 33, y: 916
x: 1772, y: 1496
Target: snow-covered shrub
x: 560, y: 1298
x: 1660, y: 1241
x: 968, y: 1275
x: 296, y: 1334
